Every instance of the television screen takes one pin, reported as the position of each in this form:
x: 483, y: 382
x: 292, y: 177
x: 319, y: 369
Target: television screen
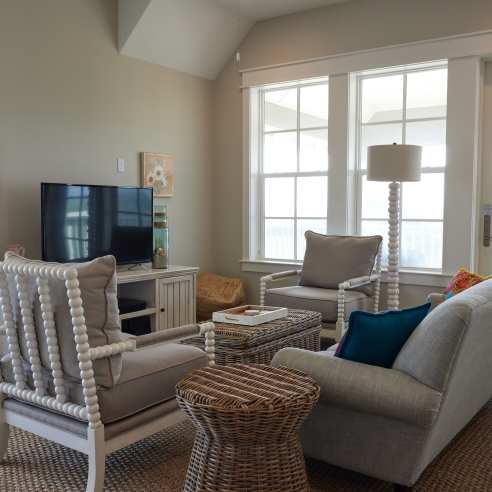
x: 82, y: 222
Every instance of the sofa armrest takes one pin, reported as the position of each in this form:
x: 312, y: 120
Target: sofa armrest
x: 365, y: 389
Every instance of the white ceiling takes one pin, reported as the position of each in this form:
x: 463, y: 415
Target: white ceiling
x: 196, y: 36
x: 267, y: 9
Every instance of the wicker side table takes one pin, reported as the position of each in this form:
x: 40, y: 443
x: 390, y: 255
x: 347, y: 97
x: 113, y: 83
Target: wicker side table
x: 238, y: 344
x: 247, y: 419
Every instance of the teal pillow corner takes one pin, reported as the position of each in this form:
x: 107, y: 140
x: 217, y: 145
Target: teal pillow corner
x: 377, y: 338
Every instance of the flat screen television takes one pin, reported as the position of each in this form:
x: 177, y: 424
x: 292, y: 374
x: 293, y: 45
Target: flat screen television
x: 82, y: 222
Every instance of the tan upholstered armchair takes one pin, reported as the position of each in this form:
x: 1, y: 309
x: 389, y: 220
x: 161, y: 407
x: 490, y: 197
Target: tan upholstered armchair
x: 340, y: 274
x: 71, y: 376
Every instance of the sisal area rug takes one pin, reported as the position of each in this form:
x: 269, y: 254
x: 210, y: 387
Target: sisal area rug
x: 159, y: 464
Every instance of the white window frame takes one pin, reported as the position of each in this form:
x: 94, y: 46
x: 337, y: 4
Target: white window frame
x: 465, y: 54
x: 261, y: 176
x: 360, y: 172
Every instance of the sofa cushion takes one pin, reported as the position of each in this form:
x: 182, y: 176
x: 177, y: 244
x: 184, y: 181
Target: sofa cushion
x: 97, y: 283
x: 330, y: 260
x: 324, y: 301
x: 463, y: 280
x: 377, y: 338
x: 148, y: 377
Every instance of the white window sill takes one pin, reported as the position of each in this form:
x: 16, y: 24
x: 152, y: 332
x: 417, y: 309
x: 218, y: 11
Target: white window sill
x: 407, y: 277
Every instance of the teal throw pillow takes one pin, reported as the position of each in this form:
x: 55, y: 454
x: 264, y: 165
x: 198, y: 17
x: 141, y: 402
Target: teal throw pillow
x: 377, y: 338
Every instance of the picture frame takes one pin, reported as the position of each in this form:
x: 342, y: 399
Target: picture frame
x: 158, y: 173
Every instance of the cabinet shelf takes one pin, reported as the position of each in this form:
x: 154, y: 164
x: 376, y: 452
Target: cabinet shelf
x: 169, y: 293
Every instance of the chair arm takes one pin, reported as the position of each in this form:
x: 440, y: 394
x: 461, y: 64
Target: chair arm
x: 168, y: 335
x: 116, y: 348
x: 287, y: 273
x: 272, y: 277
x: 351, y: 283
x: 365, y: 389
x: 358, y: 281
x: 180, y: 333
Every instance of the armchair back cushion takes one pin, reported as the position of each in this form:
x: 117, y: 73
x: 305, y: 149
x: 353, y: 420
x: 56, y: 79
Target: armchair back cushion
x: 97, y: 283
x: 330, y: 260
x: 430, y: 353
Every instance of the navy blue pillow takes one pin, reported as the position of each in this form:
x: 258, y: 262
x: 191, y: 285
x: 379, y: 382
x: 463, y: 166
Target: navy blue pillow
x: 377, y: 338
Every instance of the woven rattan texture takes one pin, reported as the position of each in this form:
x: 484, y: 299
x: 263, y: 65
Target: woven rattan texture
x: 249, y: 387
x: 247, y: 420
x: 258, y: 344
x: 242, y: 337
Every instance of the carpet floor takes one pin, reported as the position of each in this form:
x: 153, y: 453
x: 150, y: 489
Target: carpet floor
x: 159, y: 463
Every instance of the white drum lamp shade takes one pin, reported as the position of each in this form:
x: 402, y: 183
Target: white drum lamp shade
x: 394, y: 163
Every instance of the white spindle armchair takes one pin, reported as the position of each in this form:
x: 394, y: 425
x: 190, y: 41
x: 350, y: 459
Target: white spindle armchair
x: 84, y: 403
x: 339, y: 274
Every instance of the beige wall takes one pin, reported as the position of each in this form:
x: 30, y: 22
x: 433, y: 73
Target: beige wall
x: 359, y: 24
x: 70, y: 105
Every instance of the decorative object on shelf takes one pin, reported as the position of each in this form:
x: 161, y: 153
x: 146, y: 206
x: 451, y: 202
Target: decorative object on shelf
x: 18, y: 249
x: 158, y: 173
x: 396, y: 164
x: 160, y: 258
x: 215, y: 293
x: 250, y: 315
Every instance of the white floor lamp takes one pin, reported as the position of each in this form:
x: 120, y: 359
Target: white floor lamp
x: 394, y: 163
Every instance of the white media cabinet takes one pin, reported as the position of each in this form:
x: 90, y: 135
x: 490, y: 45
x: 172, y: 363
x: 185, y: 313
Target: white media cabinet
x: 170, y: 294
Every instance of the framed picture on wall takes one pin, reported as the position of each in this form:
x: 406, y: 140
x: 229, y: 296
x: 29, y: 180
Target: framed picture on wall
x: 158, y: 173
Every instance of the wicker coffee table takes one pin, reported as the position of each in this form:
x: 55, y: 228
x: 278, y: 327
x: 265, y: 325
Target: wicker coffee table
x: 258, y: 344
x: 247, y: 418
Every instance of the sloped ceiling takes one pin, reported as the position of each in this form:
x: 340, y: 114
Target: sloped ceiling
x: 195, y: 36
x: 267, y: 9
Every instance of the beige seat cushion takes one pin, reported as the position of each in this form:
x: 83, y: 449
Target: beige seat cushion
x: 148, y: 377
x: 324, y: 301
x: 330, y: 260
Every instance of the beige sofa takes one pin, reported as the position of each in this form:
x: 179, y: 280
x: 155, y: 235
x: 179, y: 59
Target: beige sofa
x: 391, y: 423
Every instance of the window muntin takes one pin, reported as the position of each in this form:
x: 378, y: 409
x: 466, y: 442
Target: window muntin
x: 293, y: 167
x: 405, y: 107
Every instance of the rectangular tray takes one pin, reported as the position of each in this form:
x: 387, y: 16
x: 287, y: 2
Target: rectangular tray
x: 236, y: 315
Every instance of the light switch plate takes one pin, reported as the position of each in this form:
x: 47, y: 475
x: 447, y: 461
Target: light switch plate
x: 487, y: 208
x: 487, y: 212
x: 120, y: 165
